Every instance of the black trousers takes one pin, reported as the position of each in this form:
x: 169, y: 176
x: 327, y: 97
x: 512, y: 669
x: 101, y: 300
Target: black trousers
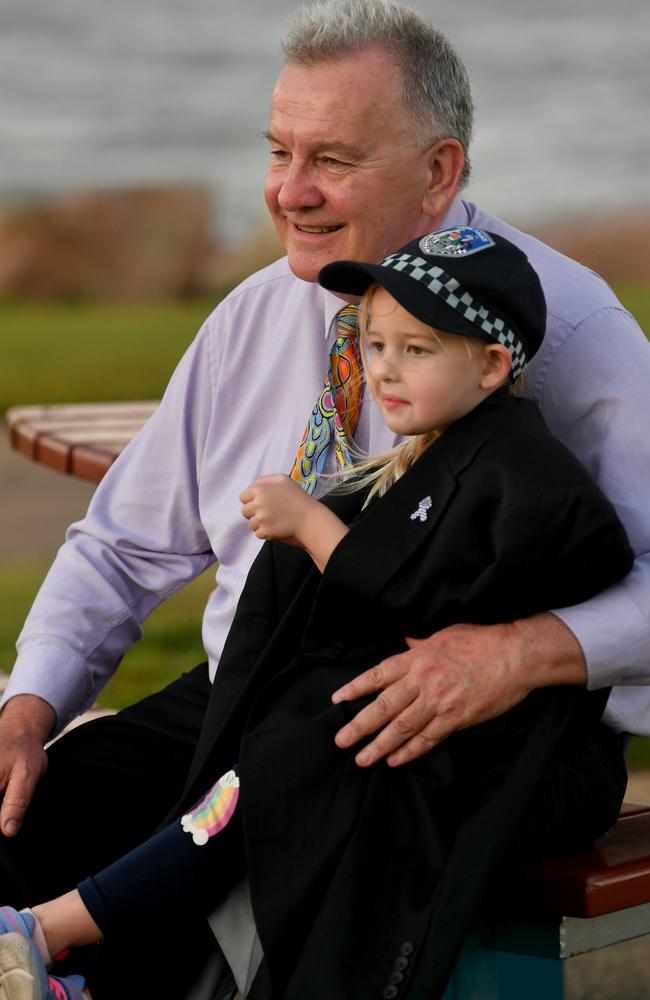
x: 111, y: 782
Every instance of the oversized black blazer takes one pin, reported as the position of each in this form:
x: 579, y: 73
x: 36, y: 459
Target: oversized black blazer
x: 358, y: 876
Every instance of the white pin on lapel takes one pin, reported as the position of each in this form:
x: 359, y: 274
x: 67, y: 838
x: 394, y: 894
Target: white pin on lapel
x: 421, y: 514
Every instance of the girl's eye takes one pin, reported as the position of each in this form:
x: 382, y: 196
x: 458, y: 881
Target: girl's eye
x: 375, y: 346
x: 416, y: 351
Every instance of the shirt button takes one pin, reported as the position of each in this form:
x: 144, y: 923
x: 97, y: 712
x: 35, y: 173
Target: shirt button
x: 401, y: 963
x: 396, y: 978
x: 390, y: 993
x: 407, y: 948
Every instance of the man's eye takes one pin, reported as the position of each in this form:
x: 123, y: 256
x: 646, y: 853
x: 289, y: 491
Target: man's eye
x: 279, y: 154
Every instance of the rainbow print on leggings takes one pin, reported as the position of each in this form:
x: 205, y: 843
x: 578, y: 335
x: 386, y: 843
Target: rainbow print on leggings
x: 214, y: 811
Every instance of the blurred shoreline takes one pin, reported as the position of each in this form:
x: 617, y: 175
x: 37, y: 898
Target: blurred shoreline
x: 102, y: 94
x: 158, y: 242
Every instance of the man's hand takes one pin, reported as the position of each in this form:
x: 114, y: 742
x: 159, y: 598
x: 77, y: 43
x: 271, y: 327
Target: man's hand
x: 25, y: 724
x: 459, y: 677
x: 276, y: 507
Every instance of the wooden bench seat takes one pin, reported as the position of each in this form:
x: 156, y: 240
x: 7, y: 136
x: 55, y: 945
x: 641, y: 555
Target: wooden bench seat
x: 81, y: 440
x: 557, y: 909
x: 613, y: 875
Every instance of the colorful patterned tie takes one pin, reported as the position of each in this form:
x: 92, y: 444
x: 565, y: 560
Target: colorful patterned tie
x: 336, y: 413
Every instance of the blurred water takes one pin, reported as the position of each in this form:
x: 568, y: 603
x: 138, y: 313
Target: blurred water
x: 151, y: 90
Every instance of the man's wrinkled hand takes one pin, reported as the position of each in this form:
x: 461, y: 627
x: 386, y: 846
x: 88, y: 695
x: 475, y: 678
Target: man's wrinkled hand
x: 25, y: 724
x: 459, y: 677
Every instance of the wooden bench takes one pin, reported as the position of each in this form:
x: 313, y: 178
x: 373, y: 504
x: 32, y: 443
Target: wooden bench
x: 558, y: 909
x: 81, y: 440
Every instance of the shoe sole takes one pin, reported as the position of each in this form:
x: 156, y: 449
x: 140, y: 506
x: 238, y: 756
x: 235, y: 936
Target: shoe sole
x: 18, y: 976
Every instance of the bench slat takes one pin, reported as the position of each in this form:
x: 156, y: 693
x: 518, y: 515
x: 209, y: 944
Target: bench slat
x: 78, y: 439
x: 613, y: 875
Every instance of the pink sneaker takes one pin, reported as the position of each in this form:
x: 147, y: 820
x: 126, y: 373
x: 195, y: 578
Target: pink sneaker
x: 23, y: 975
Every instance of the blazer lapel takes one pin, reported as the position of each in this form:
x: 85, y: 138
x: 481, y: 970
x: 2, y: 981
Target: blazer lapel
x: 392, y: 527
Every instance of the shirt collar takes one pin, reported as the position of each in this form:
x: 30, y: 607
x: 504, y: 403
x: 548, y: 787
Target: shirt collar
x: 333, y: 306
x: 459, y: 214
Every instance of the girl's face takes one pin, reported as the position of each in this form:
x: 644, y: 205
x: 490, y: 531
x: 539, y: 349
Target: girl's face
x: 422, y: 380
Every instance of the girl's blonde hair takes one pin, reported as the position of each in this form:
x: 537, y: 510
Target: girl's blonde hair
x: 381, y: 471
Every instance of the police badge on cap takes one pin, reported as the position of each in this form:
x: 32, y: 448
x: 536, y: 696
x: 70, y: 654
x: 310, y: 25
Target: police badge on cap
x: 455, y: 242
x: 462, y: 280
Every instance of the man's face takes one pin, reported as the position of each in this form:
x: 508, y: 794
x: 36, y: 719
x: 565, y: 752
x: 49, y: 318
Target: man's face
x: 346, y: 179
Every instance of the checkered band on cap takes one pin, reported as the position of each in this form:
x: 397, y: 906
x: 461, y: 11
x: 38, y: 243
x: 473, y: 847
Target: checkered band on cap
x: 452, y: 292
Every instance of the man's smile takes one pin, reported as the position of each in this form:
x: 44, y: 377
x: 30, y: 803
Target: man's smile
x: 317, y: 229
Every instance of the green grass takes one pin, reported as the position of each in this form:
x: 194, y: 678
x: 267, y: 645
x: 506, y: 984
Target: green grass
x: 82, y: 351
x: 171, y: 643
x: 638, y: 755
x: 636, y: 298
x: 87, y: 351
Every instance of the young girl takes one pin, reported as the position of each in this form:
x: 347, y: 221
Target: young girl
x: 364, y: 881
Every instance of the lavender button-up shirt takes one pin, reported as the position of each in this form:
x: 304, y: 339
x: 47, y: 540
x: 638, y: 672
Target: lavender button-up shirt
x: 236, y: 409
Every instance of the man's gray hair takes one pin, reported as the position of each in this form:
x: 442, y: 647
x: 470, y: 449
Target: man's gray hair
x: 436, y: 92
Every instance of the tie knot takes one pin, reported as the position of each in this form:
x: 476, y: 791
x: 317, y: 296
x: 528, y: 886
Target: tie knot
x: 347, y: 321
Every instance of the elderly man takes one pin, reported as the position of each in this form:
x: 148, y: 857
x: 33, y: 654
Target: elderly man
x: 369, y: 130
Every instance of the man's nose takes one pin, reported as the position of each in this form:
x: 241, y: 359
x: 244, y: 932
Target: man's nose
x: 298, y: 190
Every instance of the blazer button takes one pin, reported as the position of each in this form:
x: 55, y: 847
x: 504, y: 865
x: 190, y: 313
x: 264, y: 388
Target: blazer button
x: 401, y: 963
x: 396, y: 978
x: 390, y: 993
x: 407, y: 948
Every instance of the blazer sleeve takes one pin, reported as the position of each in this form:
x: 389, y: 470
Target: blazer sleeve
x: 551, y: 548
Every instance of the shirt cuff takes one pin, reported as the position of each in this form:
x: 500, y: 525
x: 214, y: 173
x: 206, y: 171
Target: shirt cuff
x: 614, y: 636
x: 56, y: 677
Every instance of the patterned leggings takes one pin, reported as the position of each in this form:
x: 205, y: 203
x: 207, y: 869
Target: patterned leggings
x: 191, y: 863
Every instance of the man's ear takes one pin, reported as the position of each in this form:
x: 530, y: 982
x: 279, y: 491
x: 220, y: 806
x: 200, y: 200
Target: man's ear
x: 497, y: 363
x: 446, y: 160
